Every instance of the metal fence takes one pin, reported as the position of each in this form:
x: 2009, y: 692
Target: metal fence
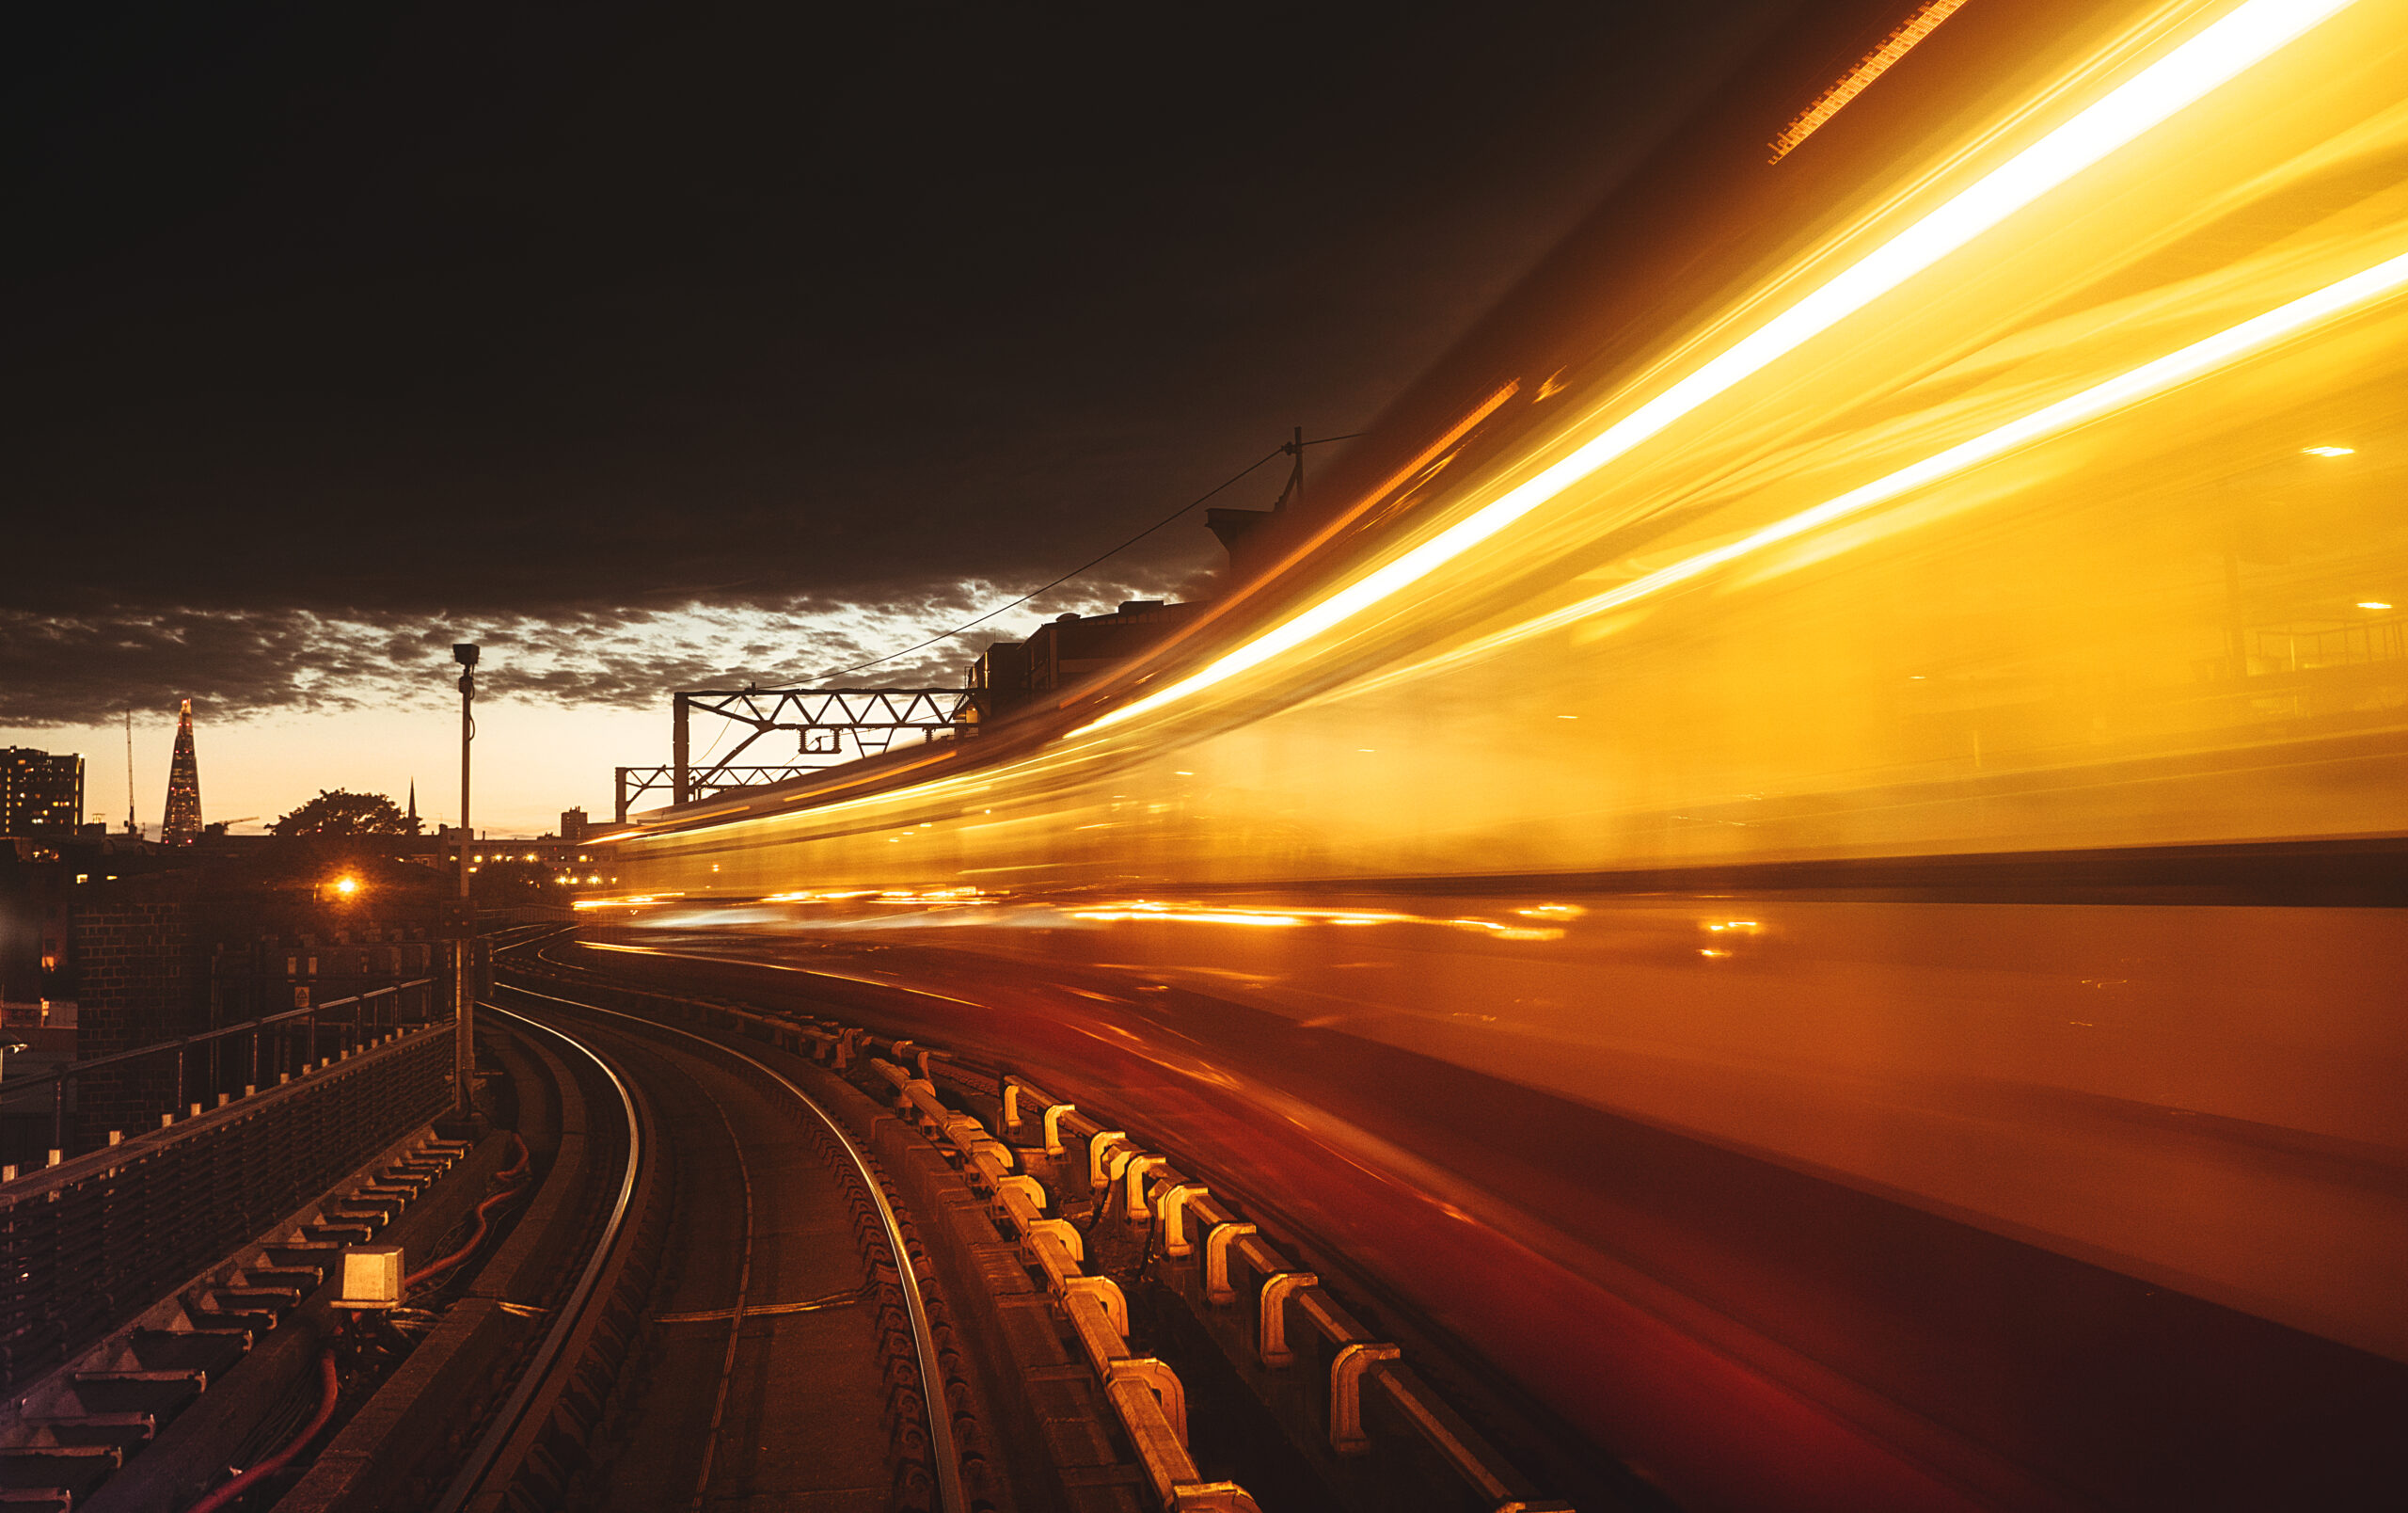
x: 89, y: 1243
x: 267, y: 1049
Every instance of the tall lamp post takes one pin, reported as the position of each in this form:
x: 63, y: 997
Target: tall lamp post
x: 464, y: 999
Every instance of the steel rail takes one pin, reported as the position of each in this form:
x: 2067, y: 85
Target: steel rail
x: 471, y: 1477
x: 735, y: 1316
x: 947, y: 1467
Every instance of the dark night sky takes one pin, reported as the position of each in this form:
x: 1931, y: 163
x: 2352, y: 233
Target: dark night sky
x: 681, y: 342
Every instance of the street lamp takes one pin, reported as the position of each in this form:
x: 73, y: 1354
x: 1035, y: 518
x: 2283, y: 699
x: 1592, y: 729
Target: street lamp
x: 464, y: 997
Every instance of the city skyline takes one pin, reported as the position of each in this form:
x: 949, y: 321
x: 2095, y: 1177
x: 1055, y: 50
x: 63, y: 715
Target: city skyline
x: 264, y: 767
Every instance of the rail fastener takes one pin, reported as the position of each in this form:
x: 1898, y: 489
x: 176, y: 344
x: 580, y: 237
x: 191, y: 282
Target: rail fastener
x: 1173, y: 1200
x: 1134, y: 1195
x: 1216, y: 1260
x: 1054, y: 1116
x: 1101, y: 1146
x: 1271, y: 1316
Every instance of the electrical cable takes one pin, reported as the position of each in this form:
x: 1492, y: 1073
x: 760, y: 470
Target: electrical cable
x: 518, y: 1168
x: 483, y: 1221
x: 1283, y: 449
x: 476, y: 1238
x: 329, y: 1387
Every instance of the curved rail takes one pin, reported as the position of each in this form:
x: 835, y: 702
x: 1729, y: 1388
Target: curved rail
x: 946, y: 1462
x: 505, y: 1423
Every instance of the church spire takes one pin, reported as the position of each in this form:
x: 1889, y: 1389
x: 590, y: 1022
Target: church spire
x: 182, y: 825
x: 413, y: 807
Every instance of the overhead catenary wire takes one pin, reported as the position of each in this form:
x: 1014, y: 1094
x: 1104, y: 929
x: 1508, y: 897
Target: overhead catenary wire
x: 1284, y: 449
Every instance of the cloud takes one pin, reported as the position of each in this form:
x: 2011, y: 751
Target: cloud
x: 83, y: 668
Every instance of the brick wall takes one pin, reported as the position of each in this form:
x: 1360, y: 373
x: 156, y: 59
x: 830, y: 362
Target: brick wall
x: 137, y: 982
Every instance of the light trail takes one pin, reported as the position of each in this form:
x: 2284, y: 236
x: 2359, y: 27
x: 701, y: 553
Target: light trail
x: 2246, y: 36
x: 2148, y: 379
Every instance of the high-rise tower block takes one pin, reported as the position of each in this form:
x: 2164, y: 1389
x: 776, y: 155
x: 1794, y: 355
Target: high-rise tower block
x: 182, y: 824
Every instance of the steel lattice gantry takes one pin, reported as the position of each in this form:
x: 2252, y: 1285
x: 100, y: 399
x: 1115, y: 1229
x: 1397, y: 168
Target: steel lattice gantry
x: 833, y: 725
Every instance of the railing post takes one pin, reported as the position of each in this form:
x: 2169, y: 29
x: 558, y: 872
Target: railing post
x: 179, y: 1104
x: 58, y: 1109
x: 256, y: 1034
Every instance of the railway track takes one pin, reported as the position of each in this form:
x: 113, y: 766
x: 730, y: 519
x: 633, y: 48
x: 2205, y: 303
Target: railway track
x: 782, y: 1353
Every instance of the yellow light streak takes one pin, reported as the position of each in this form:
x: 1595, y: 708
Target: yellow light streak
x: 2241, y: 39
x: 633, y: 900
x: 1151, y: 911
x: 2138, y: 383
x: 1860, y: 78
x: 2330, y: 451
x: 1205, y: 917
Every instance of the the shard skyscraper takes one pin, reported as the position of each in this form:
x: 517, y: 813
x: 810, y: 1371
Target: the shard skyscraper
x: 182, y: 826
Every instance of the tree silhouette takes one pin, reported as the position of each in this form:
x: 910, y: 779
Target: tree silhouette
x: 340, y: 812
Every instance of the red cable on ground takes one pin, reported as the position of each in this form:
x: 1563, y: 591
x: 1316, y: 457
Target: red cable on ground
x: 328, y: 1387
x: 518, y: 1168
x: 475, y: 1239
x: 510, y: 1173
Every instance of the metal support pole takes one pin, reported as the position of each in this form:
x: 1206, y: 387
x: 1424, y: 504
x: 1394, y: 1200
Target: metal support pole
x: 464, y: 1003
x: 622, y: 793
x: 216, y: 1019
x: 680, y: 770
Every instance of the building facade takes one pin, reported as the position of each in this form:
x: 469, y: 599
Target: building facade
x: 41, y: 794
x: 1066, y: 649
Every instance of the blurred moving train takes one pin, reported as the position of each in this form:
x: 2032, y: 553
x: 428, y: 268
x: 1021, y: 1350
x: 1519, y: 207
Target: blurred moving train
x: 1888, y: 665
